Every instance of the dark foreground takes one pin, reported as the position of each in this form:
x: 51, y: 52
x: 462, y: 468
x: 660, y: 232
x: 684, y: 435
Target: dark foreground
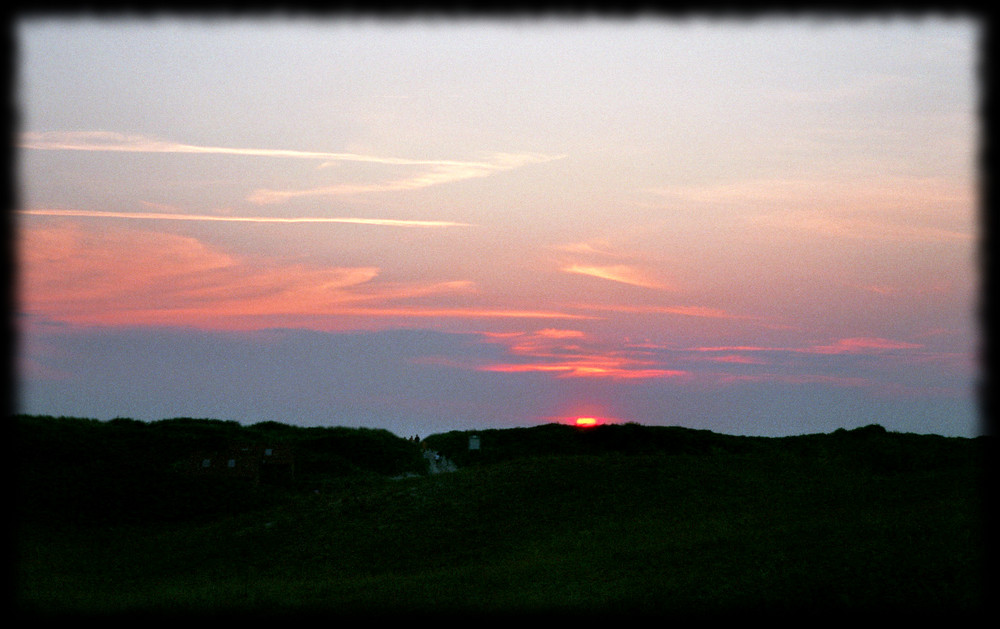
x: 857, y: 522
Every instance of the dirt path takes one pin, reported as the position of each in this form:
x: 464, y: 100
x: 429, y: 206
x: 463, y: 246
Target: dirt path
x: 436, y: 464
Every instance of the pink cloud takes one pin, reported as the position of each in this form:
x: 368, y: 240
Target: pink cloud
x: 853, y: 345
x: 595, y: 367
x: 681, y: 310
x: 736, y: 359
x: 559, y: 334
x: 861, y: 345
x: 572, y: 354
x: 136, y: 277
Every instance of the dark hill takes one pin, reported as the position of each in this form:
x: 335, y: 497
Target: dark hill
x: 613, y: 519
x: 870, y: 447
x: 498, y: 445
x: 83, y: 470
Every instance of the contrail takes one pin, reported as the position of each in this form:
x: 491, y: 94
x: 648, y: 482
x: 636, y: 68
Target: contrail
x: 442, y: 171
x: 104, y: 141
x: 163, y: 216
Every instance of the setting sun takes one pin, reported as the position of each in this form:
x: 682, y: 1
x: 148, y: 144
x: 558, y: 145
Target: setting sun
x: 586, y: 422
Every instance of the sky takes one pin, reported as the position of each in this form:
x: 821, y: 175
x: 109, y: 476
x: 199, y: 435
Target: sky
x: 759, y: 226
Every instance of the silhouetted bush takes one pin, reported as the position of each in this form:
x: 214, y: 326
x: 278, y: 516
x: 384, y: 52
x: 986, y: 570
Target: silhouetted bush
x: 498, y: 445
x: 337, y: 451
x: 84, y: 470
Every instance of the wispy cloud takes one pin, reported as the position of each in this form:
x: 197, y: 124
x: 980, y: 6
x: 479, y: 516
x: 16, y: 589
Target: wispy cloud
x: 133, y: 277
x: 460, y: 313
x: 572, y: 354
x: 856, y: 345
x: 737, y: 359
x: 552, y: 333
x: 680, y: 310
x: 884, y: 208
x: 877, y: 194
x: 597, y: 258
x: 597, y: 367
x: 622, y: 273
x: 770, y: 190
x: 107, y: 141
x: 860, y: 228
x: 429, y: 172
x: 166, y: 216
x: 590, y: 248
x: 865, y: 362
x: 853, y: 345
x: 435, y: 173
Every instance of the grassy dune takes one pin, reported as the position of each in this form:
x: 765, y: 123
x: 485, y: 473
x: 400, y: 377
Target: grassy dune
x: 855, y: 521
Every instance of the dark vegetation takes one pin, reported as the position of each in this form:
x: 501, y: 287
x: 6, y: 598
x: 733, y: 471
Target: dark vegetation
x: 616, y: 519
x: 870, y: 448
x: 76, y: 470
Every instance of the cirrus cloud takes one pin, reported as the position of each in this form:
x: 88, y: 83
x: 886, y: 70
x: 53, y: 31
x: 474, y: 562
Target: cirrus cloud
x: 79, y: 275
x: 427, y: 172
x: 178, y: 216
x: 621, y: 273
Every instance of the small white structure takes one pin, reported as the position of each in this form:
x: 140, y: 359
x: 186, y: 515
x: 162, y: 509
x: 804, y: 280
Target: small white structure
x: 474, y: 442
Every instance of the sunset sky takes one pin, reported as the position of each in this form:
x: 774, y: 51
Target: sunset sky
x: 756, y: 227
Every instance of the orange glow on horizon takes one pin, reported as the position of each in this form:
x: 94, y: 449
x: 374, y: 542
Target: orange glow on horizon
x: 586, y: 422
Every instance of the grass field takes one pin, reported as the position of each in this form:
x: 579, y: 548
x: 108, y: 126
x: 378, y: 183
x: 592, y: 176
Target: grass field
x: 775, y: 529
